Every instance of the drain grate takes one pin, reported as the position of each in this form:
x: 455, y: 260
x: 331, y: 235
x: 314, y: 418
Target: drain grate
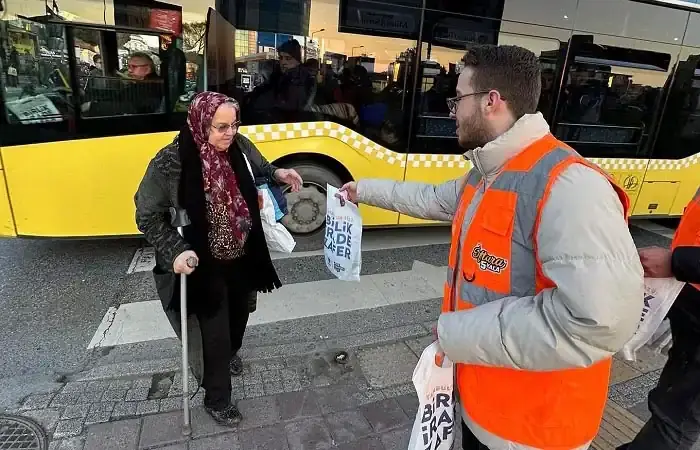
x: 20, y: 433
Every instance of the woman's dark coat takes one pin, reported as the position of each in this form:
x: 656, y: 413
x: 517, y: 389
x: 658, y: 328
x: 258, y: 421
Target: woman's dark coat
x: 158, y: 192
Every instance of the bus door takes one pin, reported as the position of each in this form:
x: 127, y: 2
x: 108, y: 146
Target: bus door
x: 678, y: 143
x: 608, y: 110
x: 435, y: 154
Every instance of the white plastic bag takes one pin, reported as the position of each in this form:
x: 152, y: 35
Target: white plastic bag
x: 278, y: 238
x: 343, y: 239
x: 659, y: 295
x: 434, y: 427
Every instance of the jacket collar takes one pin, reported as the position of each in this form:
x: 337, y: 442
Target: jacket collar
x: 490, y: 159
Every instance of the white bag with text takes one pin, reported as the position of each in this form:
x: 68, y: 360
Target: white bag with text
x: 434, y: 427
x: 343, y: 240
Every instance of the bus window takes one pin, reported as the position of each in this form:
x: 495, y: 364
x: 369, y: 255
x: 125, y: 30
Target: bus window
x: 692, y: 33
x: 632, y: 19
x: 35, y: 74
x: 679, y: 131
x: 446, y: 39
x: 128, y: 82
x: 611, y: 97
x: 345, y: 72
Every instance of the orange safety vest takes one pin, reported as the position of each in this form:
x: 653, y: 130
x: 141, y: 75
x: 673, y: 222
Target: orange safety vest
x: 559, y: 409
x: 688, y: 231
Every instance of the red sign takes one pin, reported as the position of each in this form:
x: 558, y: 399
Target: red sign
x: 166, y: 20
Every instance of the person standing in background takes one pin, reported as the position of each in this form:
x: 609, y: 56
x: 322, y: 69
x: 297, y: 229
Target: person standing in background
x: 675, y: 402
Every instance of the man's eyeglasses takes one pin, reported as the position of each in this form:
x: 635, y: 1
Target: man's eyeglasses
x: 224, y: 127
x: 452, y: 102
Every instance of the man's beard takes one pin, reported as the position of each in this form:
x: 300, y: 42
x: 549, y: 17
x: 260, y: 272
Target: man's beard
x: 473, y: 133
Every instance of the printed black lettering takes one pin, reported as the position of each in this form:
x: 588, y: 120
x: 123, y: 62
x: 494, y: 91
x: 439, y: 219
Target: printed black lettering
x: 337, y: 227
x: 447, y: 431
x: 442, y: 400
x: 341, y: 239
x: 433, y: 426
x: 340, y: 251
x: 347, y: 253
x: 427, y: 413
x: 444, y: 418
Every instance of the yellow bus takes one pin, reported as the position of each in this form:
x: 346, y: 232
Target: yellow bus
x: 339, y: 90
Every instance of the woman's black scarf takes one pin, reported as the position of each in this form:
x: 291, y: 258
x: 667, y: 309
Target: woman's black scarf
x: 254, y: 270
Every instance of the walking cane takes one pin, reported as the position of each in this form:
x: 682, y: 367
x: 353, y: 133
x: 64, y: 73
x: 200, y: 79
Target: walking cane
x: 180, y: 220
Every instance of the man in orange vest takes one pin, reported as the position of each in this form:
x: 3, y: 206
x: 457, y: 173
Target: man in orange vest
x: 675, y: 402
x: 544, y: 282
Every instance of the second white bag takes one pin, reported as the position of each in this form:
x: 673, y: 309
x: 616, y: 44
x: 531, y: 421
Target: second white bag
x: 342, y: 243
x: 659, y: 295
x: 278, y: 238
x: 434, y: 427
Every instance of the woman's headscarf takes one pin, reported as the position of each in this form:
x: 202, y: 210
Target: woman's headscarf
x: 228, y: 214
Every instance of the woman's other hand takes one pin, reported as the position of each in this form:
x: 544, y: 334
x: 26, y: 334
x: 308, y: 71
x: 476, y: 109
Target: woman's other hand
x: 290, y: 177
x: 185, y: 262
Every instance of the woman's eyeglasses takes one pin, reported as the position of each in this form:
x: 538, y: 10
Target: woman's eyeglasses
x: 224, y: 127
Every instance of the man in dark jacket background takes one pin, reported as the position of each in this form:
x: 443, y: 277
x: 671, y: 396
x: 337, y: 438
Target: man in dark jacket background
x: 675, y: 402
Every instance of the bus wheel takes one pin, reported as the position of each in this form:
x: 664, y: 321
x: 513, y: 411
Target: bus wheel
x: 307, y: 208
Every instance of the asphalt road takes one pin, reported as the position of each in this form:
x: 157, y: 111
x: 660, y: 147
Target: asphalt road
x: 54, y: 294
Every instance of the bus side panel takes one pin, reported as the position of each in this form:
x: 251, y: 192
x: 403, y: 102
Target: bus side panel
x: 78, y: 188
x: 433, y: 169
x: 672, y: 183
x: 7, y: 224
x: 627, y: 172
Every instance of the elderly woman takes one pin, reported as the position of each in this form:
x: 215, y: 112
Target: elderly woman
x: 206, y: 170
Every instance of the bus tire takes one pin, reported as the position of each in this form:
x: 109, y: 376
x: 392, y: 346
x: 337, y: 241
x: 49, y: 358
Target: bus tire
x: 307, y: 208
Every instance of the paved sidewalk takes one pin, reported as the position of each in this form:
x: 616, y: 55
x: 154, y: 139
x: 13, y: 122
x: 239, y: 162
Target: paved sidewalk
x: 293, y: 394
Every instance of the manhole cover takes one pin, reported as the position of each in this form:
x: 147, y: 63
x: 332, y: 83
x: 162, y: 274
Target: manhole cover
x: 20, y: 433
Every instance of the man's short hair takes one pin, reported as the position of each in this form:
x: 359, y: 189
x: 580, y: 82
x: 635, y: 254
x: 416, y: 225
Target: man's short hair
x: 513, y: 71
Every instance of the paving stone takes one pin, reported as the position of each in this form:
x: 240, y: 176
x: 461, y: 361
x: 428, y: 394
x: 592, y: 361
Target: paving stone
x: 271, y: 376
x: 291, y: 385
x: 275, y: 364
x: 252, y: 379
x: 170, y: 404
x: 176, y: 387
x: 273, y: 388
x: 100, y: 385
x: 76, y: 443
x: 95, y: 417
x: 47, y: 418
x: 102, y: 406
x: 162, y: 429
x: 73, y: 387
x: 124, y: 409
x: 40, y: 401
x: 308, y: 434
x: 136, y: 394
x: 647, y: 360
x: 385, y: 415
x: 142, y: 383
x: 254, y: 390
x: 273, y: 351
x: 397, y: 391
x: 202, y: 424
x: 267, y: 438
x: 377, y: 337
x: 76, y: 412
x: 65, y: 399
x: 418, y: 345
x: 398, y: 439
x: 373, y: 443
x: 342, y: 397
x: 121, y: 384
x: 147, y: 407
x: 348, y: 426
x: 121, y: 435
x: 228, y: 441
x: 259, y: 412
x: 641, y: 410
x: 298, y: 405
x: 91, y: 396
x: 631, y: 392
x: 409, y: 404
x: 68, y: 428
x: 387, y: 365
x: 622, y: 371
x: 114, y: 395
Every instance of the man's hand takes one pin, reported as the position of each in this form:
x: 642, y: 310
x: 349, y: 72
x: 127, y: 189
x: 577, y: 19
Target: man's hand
x: 656, y: 262
x: 290, y: 177
x: 350, y: 190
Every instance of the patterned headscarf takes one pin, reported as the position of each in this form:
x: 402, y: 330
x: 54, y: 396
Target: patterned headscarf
x: 228, y: 214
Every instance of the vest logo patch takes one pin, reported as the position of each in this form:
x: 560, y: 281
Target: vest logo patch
x: 487, y: 261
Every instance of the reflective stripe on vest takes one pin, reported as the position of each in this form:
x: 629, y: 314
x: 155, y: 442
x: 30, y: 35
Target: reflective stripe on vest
x: 688, y: 231
x: 494, y: 252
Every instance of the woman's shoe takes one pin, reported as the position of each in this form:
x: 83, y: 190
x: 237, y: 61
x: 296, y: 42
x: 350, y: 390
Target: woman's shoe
x: 228, y: 417
x: 236, y: 366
